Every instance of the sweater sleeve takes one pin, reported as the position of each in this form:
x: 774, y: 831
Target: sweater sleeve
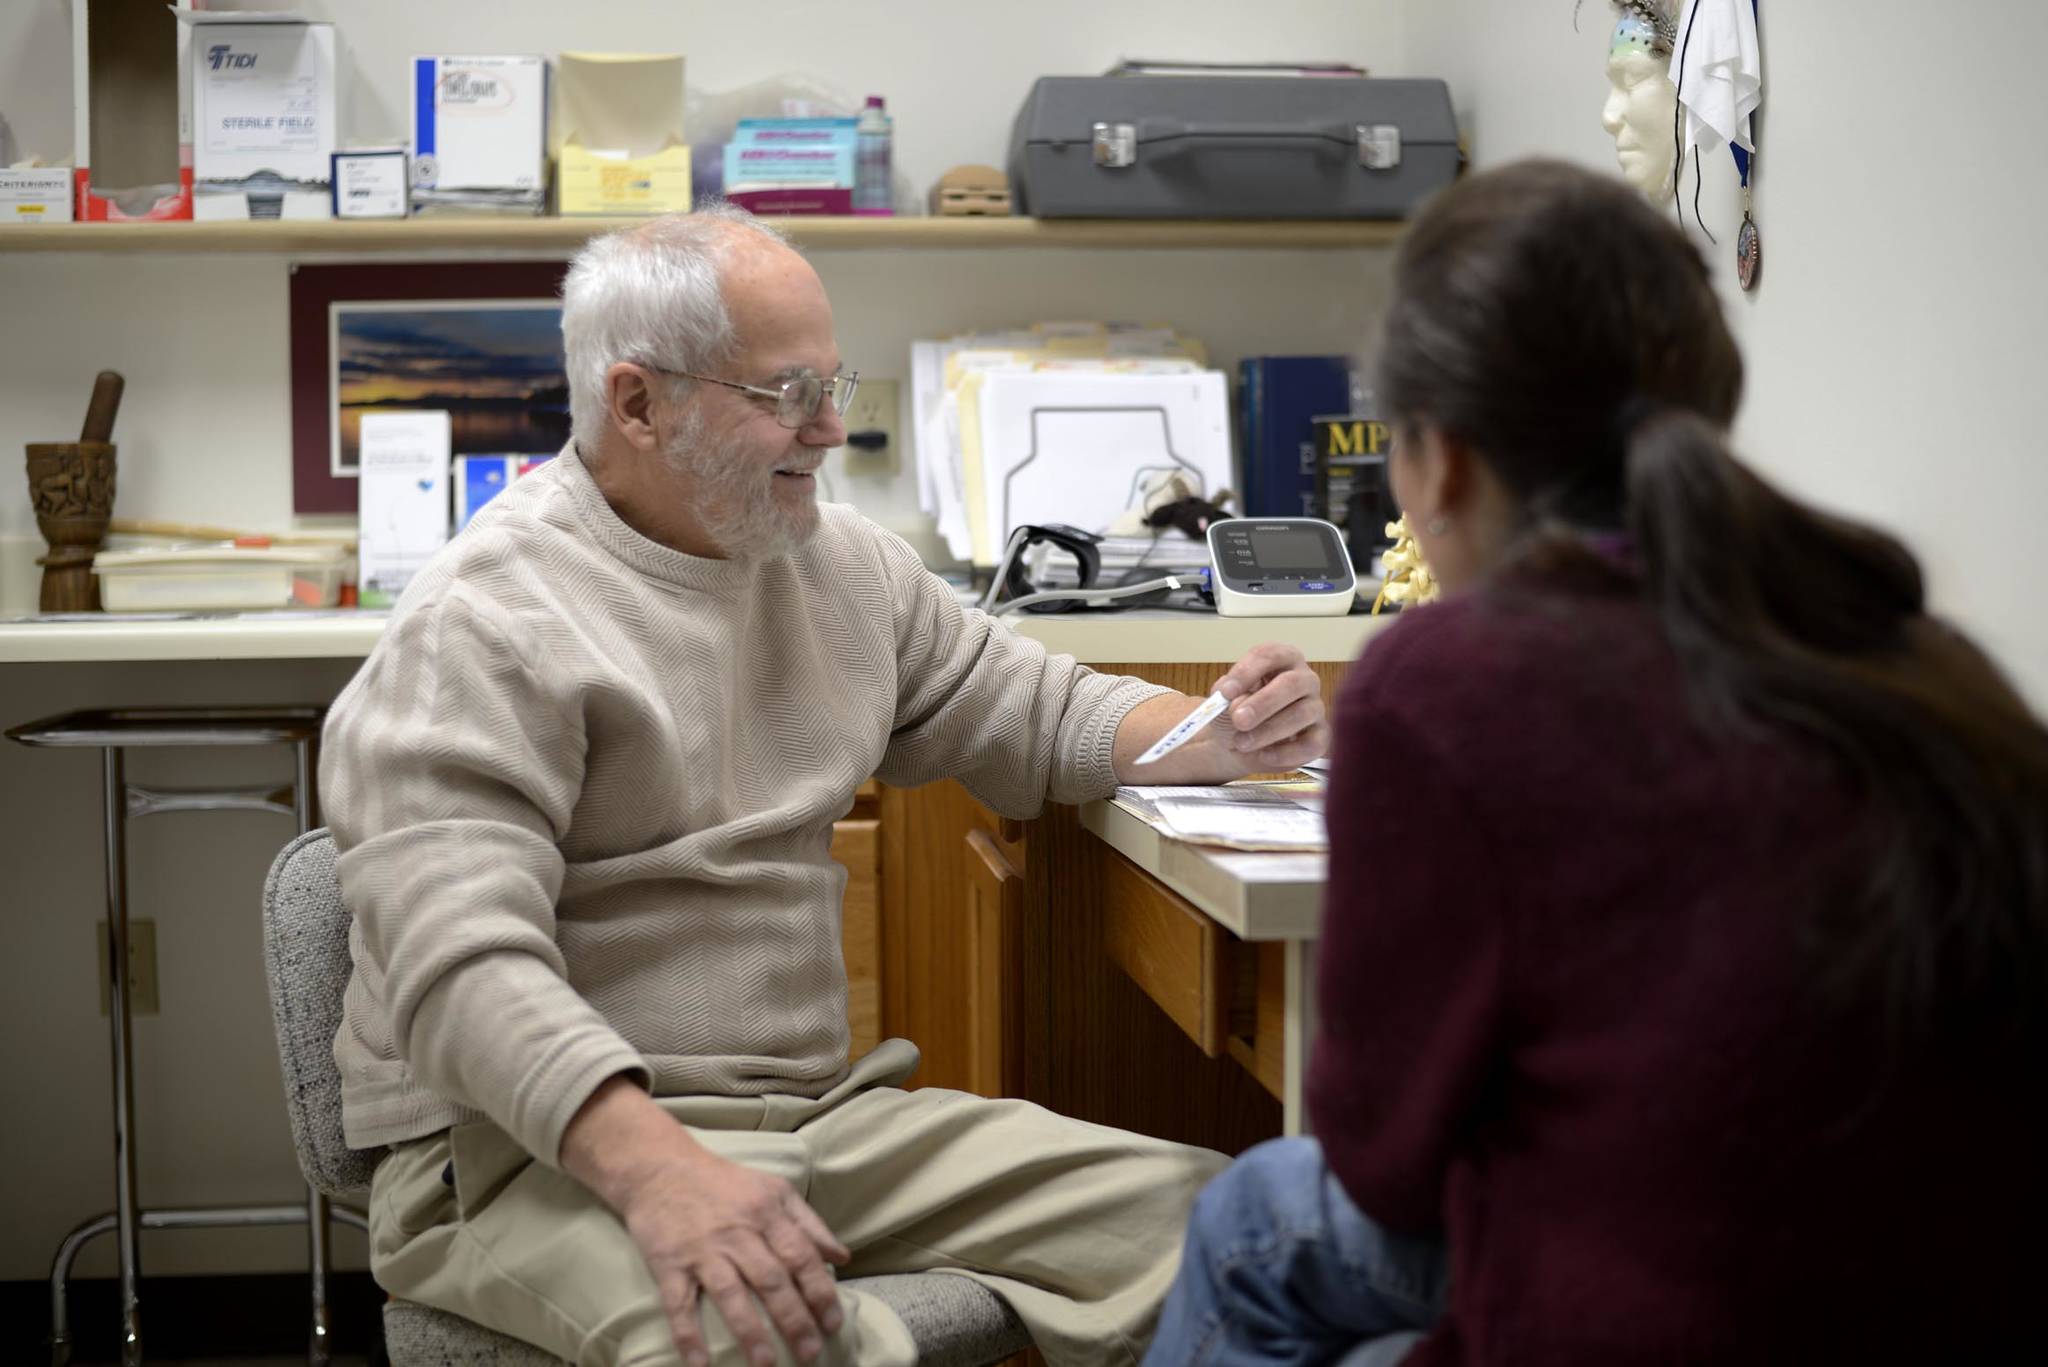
x: 1412, y: 961
x: 979, y: 703
x: 449, y: 772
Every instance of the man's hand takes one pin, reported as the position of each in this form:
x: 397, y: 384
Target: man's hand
x: 1275, y: 722
x: 706, y: 1225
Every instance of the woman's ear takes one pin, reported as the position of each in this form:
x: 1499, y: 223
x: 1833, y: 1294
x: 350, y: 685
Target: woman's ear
x: 1438, y: 480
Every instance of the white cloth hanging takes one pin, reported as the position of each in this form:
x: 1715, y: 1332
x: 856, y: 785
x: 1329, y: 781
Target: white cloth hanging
x: 1717, y: 65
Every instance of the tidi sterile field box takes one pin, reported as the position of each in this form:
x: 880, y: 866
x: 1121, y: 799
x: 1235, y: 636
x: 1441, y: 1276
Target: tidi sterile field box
x: 263, y: 114
x: 479, y: 123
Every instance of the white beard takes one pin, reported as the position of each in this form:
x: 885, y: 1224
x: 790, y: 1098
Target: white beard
x: 737, y: 503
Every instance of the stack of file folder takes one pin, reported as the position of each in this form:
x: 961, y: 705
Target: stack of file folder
x: 1064, y: 422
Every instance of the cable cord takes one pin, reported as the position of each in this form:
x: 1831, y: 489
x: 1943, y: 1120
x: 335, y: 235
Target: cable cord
x: 1678, y: 138
x: 1090, y: 597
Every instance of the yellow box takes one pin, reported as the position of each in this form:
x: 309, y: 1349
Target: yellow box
x: 589, y: 184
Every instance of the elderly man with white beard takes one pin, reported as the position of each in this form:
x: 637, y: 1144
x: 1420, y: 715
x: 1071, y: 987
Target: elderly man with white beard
x: 583, y: 793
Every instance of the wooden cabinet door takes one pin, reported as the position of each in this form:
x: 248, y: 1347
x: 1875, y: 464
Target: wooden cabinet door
x: 858, y: 845
x: 995, y: 903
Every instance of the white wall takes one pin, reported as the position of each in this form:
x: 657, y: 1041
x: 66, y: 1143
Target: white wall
x: 1895, y: 340
x: 204, y: 436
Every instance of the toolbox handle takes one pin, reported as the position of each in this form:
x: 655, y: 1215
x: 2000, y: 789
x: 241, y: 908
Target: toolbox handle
x: 1377, y: 146
x: 1156, y: 129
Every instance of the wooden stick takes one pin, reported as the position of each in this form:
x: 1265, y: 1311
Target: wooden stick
x: 106, y: 401
x: 192, y: 531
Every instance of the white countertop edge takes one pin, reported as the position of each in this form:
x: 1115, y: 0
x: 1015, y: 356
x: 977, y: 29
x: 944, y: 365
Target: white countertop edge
x: 1287, y: 906
x: 206, y: 638
x: 1115, y: 638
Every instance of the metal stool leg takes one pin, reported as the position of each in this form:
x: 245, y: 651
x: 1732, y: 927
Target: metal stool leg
x: 126, y: 1204
x: 319, y: 1344
x: 60, y: 1280
x: 317, y: 1231
x: 113, y: 732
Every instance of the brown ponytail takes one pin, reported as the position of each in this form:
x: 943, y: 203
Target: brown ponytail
x: 1552, y: 321
x: 1786, y: 617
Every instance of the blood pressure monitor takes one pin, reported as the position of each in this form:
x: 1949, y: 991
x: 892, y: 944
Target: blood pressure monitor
x: 1280, y: 567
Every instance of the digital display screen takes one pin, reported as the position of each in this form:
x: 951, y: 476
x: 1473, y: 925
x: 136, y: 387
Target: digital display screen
x: 1290, y: 550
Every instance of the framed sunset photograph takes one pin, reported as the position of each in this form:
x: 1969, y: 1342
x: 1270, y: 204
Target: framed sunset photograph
x: 481, y: 341
x: 494, y: 365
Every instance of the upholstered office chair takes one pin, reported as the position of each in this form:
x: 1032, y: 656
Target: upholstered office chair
x: 955, y: 1322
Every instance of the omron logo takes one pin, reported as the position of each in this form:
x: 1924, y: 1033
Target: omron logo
x: 221, y: 55
x: 475, y: 90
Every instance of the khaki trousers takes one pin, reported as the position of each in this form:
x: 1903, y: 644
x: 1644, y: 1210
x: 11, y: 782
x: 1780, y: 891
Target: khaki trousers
x: 1077, y: 1226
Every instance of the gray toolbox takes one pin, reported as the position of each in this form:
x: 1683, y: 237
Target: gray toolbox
x: 1231, y: 147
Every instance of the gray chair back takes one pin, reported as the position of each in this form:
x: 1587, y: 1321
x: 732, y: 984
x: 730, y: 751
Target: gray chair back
x: 306, y: 959
x: 955, y: 1322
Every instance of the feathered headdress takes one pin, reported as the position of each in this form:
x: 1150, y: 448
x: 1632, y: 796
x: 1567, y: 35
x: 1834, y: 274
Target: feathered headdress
x: 1648, y: 25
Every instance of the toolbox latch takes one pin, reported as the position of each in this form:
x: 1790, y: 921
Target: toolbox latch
x: 1116, y: 144
x: 1379, y: 146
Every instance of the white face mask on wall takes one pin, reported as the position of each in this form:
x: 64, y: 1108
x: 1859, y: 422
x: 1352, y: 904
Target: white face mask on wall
x: 1642, y: 104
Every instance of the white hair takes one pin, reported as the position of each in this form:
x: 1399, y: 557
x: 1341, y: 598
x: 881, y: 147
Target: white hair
x: 652, y: 294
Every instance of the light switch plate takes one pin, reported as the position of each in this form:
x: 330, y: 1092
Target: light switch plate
x: 874, y: 409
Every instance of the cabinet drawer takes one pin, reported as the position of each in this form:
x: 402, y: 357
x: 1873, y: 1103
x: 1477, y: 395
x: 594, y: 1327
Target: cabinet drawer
x: 1177, y: 955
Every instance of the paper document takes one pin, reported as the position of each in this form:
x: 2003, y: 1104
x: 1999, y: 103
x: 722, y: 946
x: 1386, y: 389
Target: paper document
x: 1242, y: 816
x: 404, y: 498
x: 947, y: 378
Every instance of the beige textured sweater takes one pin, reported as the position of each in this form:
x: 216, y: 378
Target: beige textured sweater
x: 583, y: 792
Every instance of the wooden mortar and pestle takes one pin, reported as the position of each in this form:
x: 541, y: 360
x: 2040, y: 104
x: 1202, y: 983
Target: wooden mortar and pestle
x: 72, y: 486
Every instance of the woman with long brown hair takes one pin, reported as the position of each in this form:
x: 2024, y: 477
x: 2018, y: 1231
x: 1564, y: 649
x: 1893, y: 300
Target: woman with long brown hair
x: 1683, y: 986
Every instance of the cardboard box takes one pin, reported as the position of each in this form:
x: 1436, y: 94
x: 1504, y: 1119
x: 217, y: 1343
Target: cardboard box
x: 792, y: 166
x: 35, y: 194
x: 131, y: 148
x: 480, y: 123
x: 619, y: 121
x: 479, y: 479
x: 371, y: 182
x: 262, y: 113
x: 596, y: 183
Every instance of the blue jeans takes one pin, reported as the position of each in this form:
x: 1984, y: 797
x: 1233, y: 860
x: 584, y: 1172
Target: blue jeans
x: 1282, y: 1270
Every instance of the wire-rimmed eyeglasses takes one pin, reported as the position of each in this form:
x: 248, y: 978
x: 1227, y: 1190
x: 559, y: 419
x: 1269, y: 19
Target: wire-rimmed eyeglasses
x: 796, y: 400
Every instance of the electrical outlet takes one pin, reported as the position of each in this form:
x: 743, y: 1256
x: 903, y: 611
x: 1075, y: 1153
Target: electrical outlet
x: 873, y: 411
x: 141, y: 969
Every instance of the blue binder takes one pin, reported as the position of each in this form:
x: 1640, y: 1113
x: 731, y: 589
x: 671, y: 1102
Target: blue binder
x: 1280, y: 399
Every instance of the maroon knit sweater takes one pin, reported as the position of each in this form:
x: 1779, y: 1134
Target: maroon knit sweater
x: 1569, y: 1017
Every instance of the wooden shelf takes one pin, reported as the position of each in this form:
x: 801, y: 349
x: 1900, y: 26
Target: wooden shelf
x: 548, y: 236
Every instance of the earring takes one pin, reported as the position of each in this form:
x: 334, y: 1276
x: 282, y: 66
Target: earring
x: 1439, y: 525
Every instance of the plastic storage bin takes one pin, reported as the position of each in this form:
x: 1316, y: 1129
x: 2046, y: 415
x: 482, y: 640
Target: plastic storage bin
x: 220, y: 578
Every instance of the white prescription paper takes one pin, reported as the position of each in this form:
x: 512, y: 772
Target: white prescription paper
x: 404, y: 458
x: 1250, y: 816
x: 1261, y: 825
